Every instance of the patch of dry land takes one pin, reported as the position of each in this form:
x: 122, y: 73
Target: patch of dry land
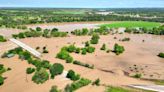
x: 111, y: 69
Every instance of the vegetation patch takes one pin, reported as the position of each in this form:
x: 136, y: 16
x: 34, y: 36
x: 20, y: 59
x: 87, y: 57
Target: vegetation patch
x: 2, y: 39
x: 161, y: 55
x: 132, y: 24
x: 76, y: 85
x: 118, y: 49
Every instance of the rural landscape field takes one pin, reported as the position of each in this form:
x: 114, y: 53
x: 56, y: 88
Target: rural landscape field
x: 81, y: 49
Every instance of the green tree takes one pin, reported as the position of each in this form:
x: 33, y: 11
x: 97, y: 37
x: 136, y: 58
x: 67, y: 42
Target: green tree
x: 103, y: 47
x: 56, y: 69
x: 30, y: 70
x: 118, y: 49
x: 40, y: 76
x: 38, y: 29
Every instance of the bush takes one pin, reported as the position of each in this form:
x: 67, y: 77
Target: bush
x: 76, y: 85
x: 38, y: 29
x: 45, y: 64
x: 94, y: 39
x: 1, y: 80
x: 82, y: 64
x: 125, y: 39
x: 161, y: 55
x: 69, y: 60
x: 90, y: 49
x: 30, y: 70
x: 63, y: 55
x: 96, y: 82
x: 71, y: 48
x: 56, y: 69
x: 40, y: 76
x: 118, y: 49
x: 45, y: 51
x: 103, y: 47
x: 54, y: 89
x: 137, y: 75
x: 71, y: 75
x: 84, y: 51
x: 87, y: 44
x: 77, y: 50
x: 2, y: 39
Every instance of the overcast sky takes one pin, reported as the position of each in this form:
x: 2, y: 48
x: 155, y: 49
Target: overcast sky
x: 83, y: 3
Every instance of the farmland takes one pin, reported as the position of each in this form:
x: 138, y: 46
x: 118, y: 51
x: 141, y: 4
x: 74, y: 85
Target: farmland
x: 132, y: 24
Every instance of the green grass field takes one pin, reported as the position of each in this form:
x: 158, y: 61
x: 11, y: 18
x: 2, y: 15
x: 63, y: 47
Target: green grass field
x: 132, y: 24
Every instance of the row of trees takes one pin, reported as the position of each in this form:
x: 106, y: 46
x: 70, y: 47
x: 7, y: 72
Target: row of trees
x: 156, y: 30
x: 39, y: 32
x: 101, y: 31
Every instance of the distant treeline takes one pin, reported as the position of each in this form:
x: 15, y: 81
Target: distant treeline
x: 19, y: 16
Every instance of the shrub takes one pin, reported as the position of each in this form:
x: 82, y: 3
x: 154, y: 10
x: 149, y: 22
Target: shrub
x: 63, y: 55
x: 82, y: 64
x: 96, y: 82
x: 76, y: 85
x: 137, y: 75
x: 103, y: 47
x: 90, y: 49
x: 45, y: 64
x: 69, y: 60
x: 118, y: 49
x: 87, y: 44
x: 125, y: 39
x: 84, y: 51
x: 94, y: 39
x: 54, y: 89
x: 161, y: 55
x: 71, y: 48
x: 40, y: 76
x: 77, y: 50
x: 108, y: 51
x: 54, y: 30
x: 38, y: 29
x: 71, y: 75
x: 30, y: 70
x: 2, y: 39
x: 56, y: 69
x: 1, y: 80
x: 45, y: 51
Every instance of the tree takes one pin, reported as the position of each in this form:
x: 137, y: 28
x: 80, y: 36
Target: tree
x: 2, y: 39
x: 54, y: 89
x: 54, y: 30
x: 95, y: 38
x: 56, y: 69
x: 90, y: 49
x: 1, y: 80
x: 103, y: 47
x: 161, y: 55
x: 118, y: 49
x: 38, y: 29
x: 96, y: 82
x: 71, y: 74
x: 69, y: 59
x: 30, y: 70
x: 63, y: 54
x: 40, y: 76
x: 87, y: 44
x: 84, y: 51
